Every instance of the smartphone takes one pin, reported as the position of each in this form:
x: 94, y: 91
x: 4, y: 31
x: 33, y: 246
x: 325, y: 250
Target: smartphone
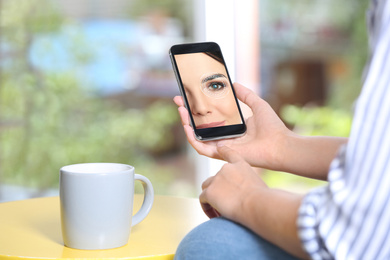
x: 207, y: 91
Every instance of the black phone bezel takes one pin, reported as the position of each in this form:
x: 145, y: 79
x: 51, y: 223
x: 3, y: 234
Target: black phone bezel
x: 213, y: 133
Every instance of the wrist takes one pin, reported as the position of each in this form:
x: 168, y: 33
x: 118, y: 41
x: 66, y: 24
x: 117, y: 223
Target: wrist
x: 272, y: 214
x: 251, y: 205
x: 280, y: 154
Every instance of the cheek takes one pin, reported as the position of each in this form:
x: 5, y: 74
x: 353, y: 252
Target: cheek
x: 227, y: 107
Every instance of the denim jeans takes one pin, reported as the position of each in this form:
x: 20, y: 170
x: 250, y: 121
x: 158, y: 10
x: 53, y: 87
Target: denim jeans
x: 220, y: 238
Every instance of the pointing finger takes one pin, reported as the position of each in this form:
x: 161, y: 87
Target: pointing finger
x: 229, y: 154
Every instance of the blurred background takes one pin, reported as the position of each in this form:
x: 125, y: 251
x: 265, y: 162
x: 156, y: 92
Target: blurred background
x: 91, y: 81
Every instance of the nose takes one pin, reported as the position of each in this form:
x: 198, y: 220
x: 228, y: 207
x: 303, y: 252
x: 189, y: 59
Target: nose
x: 200, y: 106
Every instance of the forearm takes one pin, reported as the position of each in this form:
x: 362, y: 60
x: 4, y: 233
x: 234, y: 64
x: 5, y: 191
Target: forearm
x: 238, y: 193
x: 272, y: 214
x: 308, y: 156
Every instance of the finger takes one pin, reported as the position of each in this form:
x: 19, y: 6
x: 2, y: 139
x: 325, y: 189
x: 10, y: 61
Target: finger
x: 190, y: 135
x: 247, y: 96
x: 210, y: 211
x: 207, y: 182
x: 178, y: 101
x: 203, y: 148
x: 229, y: 154
x: 185, y: 118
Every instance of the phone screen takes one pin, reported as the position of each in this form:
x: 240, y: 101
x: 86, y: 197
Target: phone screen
x: 208, y: 91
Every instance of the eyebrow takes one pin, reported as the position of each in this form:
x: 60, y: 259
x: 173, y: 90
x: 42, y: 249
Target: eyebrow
x: 214, y: 76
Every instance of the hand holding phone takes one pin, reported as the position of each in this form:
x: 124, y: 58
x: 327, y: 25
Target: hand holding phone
x: 207, y: 91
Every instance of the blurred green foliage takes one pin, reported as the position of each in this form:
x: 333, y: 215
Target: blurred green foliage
x: 48, y: 119
x: 309, y: 121
x: 345, y: 90
x: 324, y: 121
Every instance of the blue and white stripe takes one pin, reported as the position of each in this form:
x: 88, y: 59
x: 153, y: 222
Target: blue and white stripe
x: 350, y: 218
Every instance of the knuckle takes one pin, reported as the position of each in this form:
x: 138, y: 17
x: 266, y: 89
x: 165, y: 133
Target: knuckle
x: 227, y: 167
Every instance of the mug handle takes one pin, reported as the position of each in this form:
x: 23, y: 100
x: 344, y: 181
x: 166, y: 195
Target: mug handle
x: 148, y: 199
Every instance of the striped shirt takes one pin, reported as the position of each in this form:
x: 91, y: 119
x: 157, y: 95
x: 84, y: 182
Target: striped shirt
x: 350, y: 217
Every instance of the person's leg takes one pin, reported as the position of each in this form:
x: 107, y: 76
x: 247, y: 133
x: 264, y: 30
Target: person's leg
x: 220, y: 238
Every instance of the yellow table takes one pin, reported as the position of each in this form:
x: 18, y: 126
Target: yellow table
x: 31, y: 229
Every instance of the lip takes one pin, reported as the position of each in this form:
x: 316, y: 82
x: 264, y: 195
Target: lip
x: 213, y: 124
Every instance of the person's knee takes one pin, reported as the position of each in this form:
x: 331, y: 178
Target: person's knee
x: 216, y: 239
x: 220, y: 238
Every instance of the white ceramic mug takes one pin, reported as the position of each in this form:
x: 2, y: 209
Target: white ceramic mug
x: 97, y: 204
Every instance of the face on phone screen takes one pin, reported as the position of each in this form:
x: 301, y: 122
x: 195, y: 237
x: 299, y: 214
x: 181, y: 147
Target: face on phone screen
x: 208, y: 90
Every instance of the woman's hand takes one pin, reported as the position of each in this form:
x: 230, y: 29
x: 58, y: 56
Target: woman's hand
x: 258, y: 146
x: 226, y: 192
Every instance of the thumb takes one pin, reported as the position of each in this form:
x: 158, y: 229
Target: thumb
x: 246, y: 95
x: 229, y: 154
